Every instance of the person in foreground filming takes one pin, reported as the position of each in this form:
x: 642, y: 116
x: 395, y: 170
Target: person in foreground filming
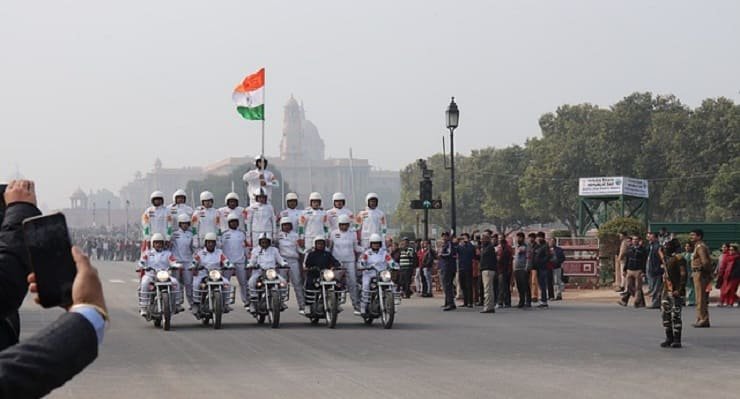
x: 61, y: 350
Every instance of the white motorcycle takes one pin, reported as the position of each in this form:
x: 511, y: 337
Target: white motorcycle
x: 163, y: 301
x: 272, y: 295
x: 382, y: 297
x: 214, y: 299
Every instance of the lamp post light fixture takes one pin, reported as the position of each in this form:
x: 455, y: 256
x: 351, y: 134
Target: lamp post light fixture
x: 453, y: 118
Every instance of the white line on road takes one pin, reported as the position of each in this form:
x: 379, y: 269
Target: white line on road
x: 135, y: 280
x: 115, y: 281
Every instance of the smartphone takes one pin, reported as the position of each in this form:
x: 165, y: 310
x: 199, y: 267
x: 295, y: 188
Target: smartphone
x: 49, y: 252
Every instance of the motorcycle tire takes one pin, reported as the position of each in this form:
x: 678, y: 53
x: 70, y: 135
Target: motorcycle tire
x: 314, y: 321
x: 332, y: 310
x: 389, y: 312
x: 261, y: 319
x: 218, y: 310
x: 368, y: 321
x: 157, y: 323
x: 166, y: 311
x: 275, y: 309
x: 206, y: 320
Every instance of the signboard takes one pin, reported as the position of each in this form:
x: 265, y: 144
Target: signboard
x: 581, y: 256
x: 605, y: 186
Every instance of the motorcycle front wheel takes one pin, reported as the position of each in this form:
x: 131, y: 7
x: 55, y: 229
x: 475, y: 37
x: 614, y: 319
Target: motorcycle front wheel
x: 166, y: 311
x: 218, y: 309
x: 389, y: 310
x: 332, y: 310
x: 275, y: 311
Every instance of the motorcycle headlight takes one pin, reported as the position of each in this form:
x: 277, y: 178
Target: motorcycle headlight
x: 163, y: 275
x: 328, y: 275
x: 214, y: 275
x: 271, y: 274
x: 385, y: 276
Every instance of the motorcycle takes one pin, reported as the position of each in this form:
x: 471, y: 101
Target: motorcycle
x: 325, y: 297
x: 272, y: 296
x: 163, y: 301
x: 214, y: 300
x: 382, y: 297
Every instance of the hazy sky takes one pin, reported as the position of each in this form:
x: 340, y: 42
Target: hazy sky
x: 91, y: 91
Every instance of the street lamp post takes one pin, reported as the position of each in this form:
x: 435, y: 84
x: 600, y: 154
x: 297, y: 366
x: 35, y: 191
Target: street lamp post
x: 453, y: 117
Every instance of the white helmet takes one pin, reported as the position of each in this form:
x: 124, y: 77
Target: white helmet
x: 179, y: 193
x: 259, y: 191
x: 318, y: 238
x: 370, y: 196
x: 291, y: 197
x: 156, y: 237
x: 231, y: 196
x: 285, y: 220
x: 211, y: 237
x: 156, y: 194
x: 183, y: 218
x: 206, y: 196
x: 264, y: 236
x: 260, y: 158
x: 232, y: 216
x: 343, y: 219
x: 338, y: 197
x: 375, y: 237
x: 314, y: 196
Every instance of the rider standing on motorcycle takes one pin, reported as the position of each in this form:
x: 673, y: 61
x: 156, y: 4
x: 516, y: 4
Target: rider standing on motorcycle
x: 315, y: 261
x: 313, y: 222
x: 263, y: 257
x: 289, y: 249
x: 206, y: 259
x: 205, y: 219
x: 373, y: 261
x: 292, y: 211
x: 179, y: 206
x: 345, y: 248
x: 156, y: 219
x: 232, y: 206
x: 260, y: 177
x: 153, y: 260
x: 182, y: 248
x: 339, y: 200
x: 260, y: 218
x: 371, y: 221
x: 234, y: 245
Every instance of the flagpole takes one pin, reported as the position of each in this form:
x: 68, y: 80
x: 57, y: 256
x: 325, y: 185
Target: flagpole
x: 264, y: 106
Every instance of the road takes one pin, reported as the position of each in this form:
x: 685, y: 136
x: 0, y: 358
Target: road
x: 572, y: 350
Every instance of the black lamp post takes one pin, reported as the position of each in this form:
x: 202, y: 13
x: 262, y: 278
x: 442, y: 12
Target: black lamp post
x: 453, y: 117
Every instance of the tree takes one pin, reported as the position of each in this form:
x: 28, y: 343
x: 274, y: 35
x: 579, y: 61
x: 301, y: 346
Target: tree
x: 724, y: 199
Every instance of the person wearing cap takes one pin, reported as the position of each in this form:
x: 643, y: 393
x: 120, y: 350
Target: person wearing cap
x: 206, y: 219
x: 153, y: 260
x: 345, y: 248
x: 156, y: 219
x: 181, y: 245
x: 260, y: 177
x: 339, y: 200
x: 234, y: 245
x: 179, y: 206
x: 232, y: 207
x: 260, y: 218
x: 206, y: 259
x: 292, y: 211
x: 264, y: 256
x: 406, y: 260
x: 313, y: 222
x: 371, y: 221
x: 287, y: 243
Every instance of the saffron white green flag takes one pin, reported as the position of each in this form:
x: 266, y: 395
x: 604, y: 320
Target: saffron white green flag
x: 249, y: 96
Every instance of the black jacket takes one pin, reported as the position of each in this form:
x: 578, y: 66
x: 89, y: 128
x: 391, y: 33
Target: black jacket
x: 540, y: 256
x: 321, y: 259
x: 48, y: 359
x: 488, y: 259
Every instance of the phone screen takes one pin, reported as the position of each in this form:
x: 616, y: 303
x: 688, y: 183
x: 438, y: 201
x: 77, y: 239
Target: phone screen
x: 49, y: 251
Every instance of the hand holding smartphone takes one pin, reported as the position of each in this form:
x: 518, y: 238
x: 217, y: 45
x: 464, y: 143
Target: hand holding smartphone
x: 49, y: 250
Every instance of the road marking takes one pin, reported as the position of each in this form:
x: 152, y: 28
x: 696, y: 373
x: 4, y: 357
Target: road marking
x: 135, y: 280
x: 115, y: 281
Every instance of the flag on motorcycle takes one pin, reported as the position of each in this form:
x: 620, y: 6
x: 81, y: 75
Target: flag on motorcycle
x: 249, y: 96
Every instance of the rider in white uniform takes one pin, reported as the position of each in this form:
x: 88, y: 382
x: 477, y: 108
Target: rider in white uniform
x: 181, y: 245
x: 287, y: 240
x: 179, y: 206
x: 153, y: 260
x: 339, y: 200
x: 260, y: 177
x: 234, y: 245
x: 373, y: 260
x: 263, y: 257
x: 313, y: 221
x: 206, y: 259
x: 206, y: 219
x: 371, y: 221
x: 260, y: 218
x: 232, y: 207
x: 345, y: 248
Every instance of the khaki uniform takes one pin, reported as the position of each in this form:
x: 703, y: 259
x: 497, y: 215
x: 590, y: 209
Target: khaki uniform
x: 701, y: 272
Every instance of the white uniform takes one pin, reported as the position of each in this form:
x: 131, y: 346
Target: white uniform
x: 203, y: 262
x: 260, y: 219
x: 369, y: 222
x: 334, y: 213
x: 312, y: 223
x: 205, y: 220
x: 344, y: 248
x: 373, y: 262
x: 156, y: 219
x: 291, y: 253
x: 157, y: 260
x: 176, y: 210
x: 182, y: 248
x: 224, y: 213
x: 253, y: 179
x: 263, y: 259
x: 234, y: 246
x: 293, y: 214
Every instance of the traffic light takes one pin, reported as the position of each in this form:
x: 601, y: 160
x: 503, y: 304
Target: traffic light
x: 425, y: 190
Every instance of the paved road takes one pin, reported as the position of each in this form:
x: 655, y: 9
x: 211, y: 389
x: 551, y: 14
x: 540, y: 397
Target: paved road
x: 572, y: 350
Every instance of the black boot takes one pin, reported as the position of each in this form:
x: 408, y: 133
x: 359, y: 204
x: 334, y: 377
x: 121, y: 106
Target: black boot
x: 668, y: 338
x: 676, y: 339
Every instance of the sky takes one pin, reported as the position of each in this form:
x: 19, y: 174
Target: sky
x: 92, y: 91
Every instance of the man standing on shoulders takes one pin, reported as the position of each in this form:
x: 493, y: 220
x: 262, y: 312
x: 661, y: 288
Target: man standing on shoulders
x: 701, y: 272
x: 488, y: 263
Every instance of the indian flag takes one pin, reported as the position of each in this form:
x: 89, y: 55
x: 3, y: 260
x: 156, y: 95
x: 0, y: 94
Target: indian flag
x: 249, y: 96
